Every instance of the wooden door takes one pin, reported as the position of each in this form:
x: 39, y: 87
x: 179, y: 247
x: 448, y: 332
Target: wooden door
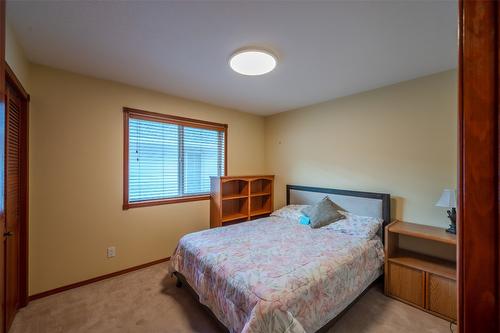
x: 441, y: 296
x: 13, y: 118
x: 478, y: 200
x: 406, y: 283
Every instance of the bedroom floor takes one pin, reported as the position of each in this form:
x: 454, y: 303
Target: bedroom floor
x: 148, y: 301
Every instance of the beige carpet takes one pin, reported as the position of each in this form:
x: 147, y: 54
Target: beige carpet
x: 148, y: 301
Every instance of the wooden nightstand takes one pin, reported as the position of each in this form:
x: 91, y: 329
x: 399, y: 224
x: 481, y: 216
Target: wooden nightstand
x: 424, y: 281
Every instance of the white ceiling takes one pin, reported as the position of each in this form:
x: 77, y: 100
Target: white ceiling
x: 325, y: 49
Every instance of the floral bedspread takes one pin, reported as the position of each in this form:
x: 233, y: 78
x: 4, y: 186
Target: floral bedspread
x: 276, y: 275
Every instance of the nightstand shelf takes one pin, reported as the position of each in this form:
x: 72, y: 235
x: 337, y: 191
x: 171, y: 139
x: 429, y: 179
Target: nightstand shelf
x: 421, y: 280
x: 423, y: 231
x: 426, y: 263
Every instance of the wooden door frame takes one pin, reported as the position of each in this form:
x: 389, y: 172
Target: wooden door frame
x: 478, y: 190
x: 2, y: 214
x: 12, y: 80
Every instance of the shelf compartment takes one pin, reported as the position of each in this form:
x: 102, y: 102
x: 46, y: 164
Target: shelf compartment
x: 234, y: 217
x: 234, y: 187
x: 234, y: 209
x: 260, y: 205
x: 426, y: 263
x: 260, y: 185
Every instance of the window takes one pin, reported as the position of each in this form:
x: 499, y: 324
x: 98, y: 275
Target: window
x: 170, y: 159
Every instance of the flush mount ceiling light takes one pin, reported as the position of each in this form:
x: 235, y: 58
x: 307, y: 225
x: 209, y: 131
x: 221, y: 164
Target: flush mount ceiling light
x: 252, y: 62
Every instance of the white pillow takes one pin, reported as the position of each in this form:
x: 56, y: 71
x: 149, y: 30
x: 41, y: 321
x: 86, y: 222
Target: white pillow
x: 291, y: 212
x: 357, y: 226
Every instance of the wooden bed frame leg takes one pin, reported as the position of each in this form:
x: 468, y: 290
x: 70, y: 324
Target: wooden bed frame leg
x: 178, y: 284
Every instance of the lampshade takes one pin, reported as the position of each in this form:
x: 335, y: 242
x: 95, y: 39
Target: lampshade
x: 448, y: 199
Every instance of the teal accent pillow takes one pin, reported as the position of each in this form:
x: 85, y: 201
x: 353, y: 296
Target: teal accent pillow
x: 304, y: 220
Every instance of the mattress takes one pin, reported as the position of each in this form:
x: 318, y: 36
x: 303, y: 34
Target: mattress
x: 276, y: 275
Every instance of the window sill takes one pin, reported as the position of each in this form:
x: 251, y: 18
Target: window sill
x: 129, y: 205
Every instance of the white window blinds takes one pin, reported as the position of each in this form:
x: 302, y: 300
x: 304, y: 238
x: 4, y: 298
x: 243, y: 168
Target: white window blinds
x: 171, y: 159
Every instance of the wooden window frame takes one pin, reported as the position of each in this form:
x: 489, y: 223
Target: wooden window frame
x: 129, y: 113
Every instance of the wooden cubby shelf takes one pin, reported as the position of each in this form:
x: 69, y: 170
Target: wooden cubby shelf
x: 239, y: 198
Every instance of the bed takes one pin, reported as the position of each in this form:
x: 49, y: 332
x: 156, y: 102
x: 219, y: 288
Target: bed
x: 276, y: 275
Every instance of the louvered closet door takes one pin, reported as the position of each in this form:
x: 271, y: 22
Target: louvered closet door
x: 12, y: 197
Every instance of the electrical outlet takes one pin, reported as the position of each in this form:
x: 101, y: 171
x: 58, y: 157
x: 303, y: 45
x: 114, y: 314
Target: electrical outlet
x: 111, y: 251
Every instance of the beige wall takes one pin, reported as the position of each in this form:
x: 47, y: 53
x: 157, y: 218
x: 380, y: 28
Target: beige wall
x: 15, y: 57
x: 76, y: 144
x: 399, y: 139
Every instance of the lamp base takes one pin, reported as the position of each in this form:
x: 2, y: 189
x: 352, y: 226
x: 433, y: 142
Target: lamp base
x: 452, y: 229
x: 452, y: 215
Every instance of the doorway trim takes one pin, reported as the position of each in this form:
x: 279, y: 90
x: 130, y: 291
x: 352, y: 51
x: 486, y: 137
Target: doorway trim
x: 478, y: 190
x: 11, y: 78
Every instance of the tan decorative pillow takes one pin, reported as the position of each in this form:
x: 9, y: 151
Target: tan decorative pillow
x: 323, y: 213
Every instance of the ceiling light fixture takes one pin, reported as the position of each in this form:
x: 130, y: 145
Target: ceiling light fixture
x: 252, y: 62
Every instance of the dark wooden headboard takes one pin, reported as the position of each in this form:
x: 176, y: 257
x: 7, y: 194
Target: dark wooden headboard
x: 360, y: 203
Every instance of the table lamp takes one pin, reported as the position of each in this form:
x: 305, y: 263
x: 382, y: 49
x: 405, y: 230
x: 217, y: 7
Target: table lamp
x: 449, y: 200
